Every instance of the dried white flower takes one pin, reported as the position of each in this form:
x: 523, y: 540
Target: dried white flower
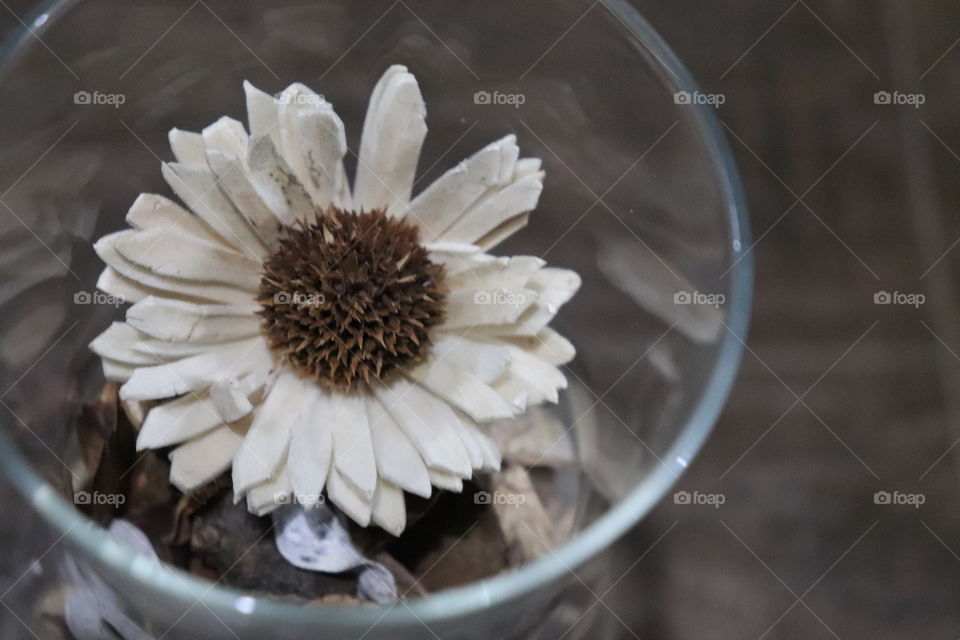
x: 322, y: 340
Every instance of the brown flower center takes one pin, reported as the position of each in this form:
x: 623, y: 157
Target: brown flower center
x: 350, y: 297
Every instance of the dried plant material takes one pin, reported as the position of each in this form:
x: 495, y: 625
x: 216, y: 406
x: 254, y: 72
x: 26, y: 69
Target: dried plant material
x: 349, y: 298
x: 528, y: 531
x: 319, y: 339
x: 96, y: 423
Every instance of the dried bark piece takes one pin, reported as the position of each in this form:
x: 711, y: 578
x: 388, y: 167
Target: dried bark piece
x: 527, y: 529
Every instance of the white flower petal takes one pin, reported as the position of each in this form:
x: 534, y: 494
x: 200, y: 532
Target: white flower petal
x: 491, y: 454
x: 488, y: 272
x: 311, y: 448
x: 393, y: 133
x: 503, y: 231
x: 198, y: 461
x: 117, y: 371
x: 496, y: 208
x: 122, y: 288
x: 233, y: 180
x: 276, y: 184
x: 144, y: 280
x: 485, y: 360
x: 198, y: 189
x: 531, y: 375
x: 229, y: 400
x: 164, y: 351
x: 117, y: 343
x: 448, y: 481
x: 554, y: 287
x: 150, y: 211
x: 197, y: 372
x: 176, y: 255
x: 178, y: 420
x: 226, y: 135
x: 265, y: 497
x: 389, y: 511
x: 397, y: 459
x: 460, y: 388
x: 352, y: 448
x: 467, y: 308
x: 548, y: 345
x: 261, y: 113
x: 443, y: 202
x: 187, y: 146
x: 179, y: 321
x: 429, y: 423
x: 345, y: 495
x: 265, y: 447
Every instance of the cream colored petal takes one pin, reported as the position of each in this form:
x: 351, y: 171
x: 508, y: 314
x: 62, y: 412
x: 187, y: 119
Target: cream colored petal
x: 187, y: 146
x: 226, y: 135
x: 429, y: 423
x: 311, y: 448
x: 117, y: 342
x: 448, y: 481
x: 177, y: 255
x: 276, y: 184
x: 164, y: 351
x: 548, y: 345
x: 198, y: 189
x: 123, y: 288
x: 197, y: 372
x: 314, y: 144
x: 265, y: 447
x: 352, y: 447
x: 495, y: 209
x: 491, y: 453
x: 150, y: 211
x: 485, y: 360
x: 554, y: 287
x: 200, y: 460
x: 495, y: 273
x: 389, y: 511
x: 393, y: 133
x: 471, y: 307
x: 344, y: 495
x: 261, y: 113
x: 178, y: 420
x: 461, y: 389
x: 397, y: 459
x: 267, y: 496
x: 232, y: 177
x: 117, y: 371
x: 179, y: 321
x: 230, y: 400
x: 440, y: 205
x: 143, y: 280
x: 530, y: 380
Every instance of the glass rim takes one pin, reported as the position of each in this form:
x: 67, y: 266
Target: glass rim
x: 75, y: 528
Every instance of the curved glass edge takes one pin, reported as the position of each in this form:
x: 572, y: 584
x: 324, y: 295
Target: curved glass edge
x: 450, y: 603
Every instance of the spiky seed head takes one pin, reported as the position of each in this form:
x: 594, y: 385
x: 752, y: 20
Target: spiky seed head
x: 350, y: 297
